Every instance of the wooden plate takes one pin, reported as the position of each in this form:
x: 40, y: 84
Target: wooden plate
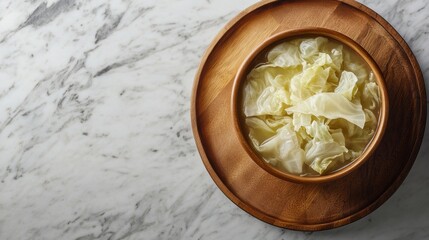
x: 307, y: 206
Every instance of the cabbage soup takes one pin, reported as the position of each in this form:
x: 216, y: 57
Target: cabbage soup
x: 309, y: 105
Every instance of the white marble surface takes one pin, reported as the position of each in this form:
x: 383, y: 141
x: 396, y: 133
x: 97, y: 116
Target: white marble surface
x: 95, y: 135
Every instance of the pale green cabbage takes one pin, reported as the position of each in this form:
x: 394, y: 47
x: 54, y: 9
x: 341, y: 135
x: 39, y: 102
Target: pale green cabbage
x: 347, y: 86
x: 312, y: 107
x: 283, y: 148
x: 331, y: 106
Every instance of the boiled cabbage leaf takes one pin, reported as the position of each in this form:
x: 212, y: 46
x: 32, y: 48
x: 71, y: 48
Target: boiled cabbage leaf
x: 285, y: 55
x: 320, y: 154
x: 259, y: 129
x: 300, y: 120
x: 332, y: 106
x: 347, y: 86
x: 283, y: 149
x: 310, y: 47
x: 370, y: 96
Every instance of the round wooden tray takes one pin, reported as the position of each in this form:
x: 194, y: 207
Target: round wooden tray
x: 307, y: 206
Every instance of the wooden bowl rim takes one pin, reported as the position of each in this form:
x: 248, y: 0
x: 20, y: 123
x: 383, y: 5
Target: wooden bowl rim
x: 305, y: 32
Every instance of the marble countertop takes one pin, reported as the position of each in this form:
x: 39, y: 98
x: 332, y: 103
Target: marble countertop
x: 95, y: 135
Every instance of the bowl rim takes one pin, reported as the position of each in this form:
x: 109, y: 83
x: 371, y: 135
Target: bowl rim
x: 343, y: 39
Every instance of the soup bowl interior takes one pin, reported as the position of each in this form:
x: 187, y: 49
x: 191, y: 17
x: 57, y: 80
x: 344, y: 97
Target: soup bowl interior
x: 251, y: 62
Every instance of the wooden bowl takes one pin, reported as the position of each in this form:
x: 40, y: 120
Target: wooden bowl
x: 308, y: 207
x: 238, y: 116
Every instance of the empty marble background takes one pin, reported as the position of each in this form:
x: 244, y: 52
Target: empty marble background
x: 95, y: 135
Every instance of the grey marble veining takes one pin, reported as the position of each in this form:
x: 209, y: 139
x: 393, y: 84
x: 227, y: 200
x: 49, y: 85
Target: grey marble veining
x: 95, y: 136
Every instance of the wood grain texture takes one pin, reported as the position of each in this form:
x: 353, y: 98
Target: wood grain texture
x: 307, y: 206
